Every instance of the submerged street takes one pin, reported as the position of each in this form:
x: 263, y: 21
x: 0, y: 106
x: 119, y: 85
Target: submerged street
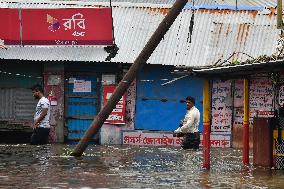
x: 150, y: 76
x: 50, y: 166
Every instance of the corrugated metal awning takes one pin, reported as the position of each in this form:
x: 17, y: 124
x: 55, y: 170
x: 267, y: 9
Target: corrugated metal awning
x: 241, y: 71
x: 206, y: 3
x: 216, y: 35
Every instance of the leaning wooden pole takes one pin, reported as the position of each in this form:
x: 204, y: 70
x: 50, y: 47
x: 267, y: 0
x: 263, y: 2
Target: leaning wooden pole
x: 246, y: 124
x: 279, y: 22
x: 206, y: 124
x: 130, y: 76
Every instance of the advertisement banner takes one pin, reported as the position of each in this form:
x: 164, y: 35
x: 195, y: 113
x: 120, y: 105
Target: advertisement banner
x: 10, y: 26
x: 80, y: 26
x: 117, y: 116
x: 70, y: 26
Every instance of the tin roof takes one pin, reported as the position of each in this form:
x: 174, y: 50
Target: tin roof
x: 200, y: 3
x: 240, y: 71
x: 217, y: 34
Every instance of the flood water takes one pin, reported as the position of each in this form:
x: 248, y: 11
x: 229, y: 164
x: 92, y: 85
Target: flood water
x: 51, y: 166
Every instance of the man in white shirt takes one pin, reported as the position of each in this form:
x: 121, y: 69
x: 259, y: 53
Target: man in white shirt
x: 189, y: 126
x: 41, y: 124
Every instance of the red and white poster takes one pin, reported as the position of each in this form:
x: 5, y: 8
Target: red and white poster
x: 70, y: 26
x: 117, y: 116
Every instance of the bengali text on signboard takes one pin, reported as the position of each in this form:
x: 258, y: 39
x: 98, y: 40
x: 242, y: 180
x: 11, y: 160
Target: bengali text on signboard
x: 69, y: 26
x: 117, y: 116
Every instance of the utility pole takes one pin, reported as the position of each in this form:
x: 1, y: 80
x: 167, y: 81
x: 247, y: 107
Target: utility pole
x: 130, y: 76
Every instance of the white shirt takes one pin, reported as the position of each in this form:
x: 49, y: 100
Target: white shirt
x: 190, y: 122
x: 43, y: 103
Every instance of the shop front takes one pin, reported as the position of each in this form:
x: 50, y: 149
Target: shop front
x: 16, y: 100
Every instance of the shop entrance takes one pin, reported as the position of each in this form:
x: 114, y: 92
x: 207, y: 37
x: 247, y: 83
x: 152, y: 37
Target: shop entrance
x: 82, y: 105
x: 16, y: 100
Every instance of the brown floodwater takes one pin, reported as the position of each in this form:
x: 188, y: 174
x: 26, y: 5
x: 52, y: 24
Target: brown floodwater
x: 119, y: 166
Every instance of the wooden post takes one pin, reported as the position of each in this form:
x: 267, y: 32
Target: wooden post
x: 279, y: 22
x: 126, y: 81
x: 246, y: 124
x: 206, y: 125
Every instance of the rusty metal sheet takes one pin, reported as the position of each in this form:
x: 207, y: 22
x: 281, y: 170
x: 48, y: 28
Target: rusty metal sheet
x: 262, y: 142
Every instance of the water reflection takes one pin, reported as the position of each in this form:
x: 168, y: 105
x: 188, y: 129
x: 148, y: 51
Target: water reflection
x: 51, y: 166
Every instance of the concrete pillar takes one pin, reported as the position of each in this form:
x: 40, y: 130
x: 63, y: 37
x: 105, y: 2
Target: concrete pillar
x: 54, y: 85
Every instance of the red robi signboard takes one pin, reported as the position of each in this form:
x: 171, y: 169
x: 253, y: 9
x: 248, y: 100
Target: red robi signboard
x: 10, y: 26
x: 73, y: 26
x: 85, y: 26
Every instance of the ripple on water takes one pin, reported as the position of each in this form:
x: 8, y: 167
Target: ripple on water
x: 51, y: 166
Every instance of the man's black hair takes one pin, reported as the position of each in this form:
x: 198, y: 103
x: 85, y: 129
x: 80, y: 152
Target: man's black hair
x: 37, y: 87
x: 191, y: 99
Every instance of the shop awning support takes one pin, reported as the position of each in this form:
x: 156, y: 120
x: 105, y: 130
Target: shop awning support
x: 246, y: 124
x: 206, y: 124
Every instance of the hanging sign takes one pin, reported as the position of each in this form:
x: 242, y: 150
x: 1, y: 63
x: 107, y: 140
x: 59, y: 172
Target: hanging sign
x: 117, y: 116
x: 10, y: 26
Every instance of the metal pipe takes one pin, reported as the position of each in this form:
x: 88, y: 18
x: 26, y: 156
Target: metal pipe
x: 130, y: 76
x: 246, y: 124
x: 206, y: 124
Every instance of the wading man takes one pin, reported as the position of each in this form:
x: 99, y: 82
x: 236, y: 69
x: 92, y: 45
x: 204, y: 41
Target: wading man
x: 189, y: 126
x: 41, y: 124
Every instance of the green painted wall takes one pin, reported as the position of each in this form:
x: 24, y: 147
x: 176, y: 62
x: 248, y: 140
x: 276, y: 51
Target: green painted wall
x: 24, y: 74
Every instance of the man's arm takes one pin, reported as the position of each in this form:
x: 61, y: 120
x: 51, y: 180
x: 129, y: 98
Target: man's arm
x: 41, y: 117
x: 189, y: 122
x: 178, y: 129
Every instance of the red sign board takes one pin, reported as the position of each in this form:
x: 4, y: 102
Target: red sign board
x: 117, y: 116
x: 85, y: 26
x: 73, y: 26
x: 10, y: 26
